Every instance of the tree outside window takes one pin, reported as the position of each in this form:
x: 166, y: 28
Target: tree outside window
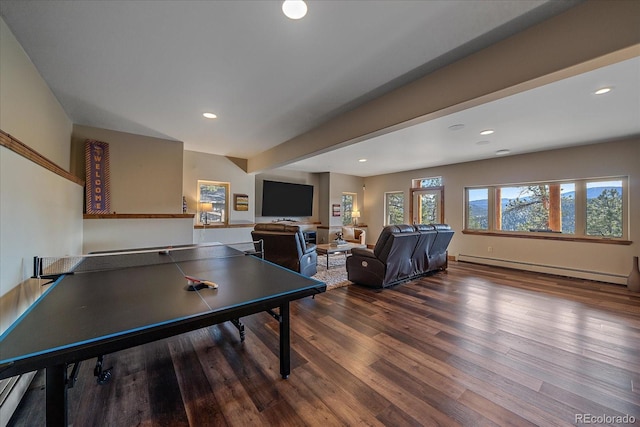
x: 349, y: 204
x: 213, y: 197
x: 577, y: 208
x: 394, y: 208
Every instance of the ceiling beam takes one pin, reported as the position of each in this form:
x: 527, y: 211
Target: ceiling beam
x: 587, y: 36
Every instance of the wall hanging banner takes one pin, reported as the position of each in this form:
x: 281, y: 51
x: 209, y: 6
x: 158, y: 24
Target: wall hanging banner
x: 96, y: 155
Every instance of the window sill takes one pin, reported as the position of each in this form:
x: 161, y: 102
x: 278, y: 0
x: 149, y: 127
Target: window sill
x: 549, y: 236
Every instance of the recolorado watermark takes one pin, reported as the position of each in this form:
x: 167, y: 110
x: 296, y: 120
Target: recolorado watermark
x: 604, y: 419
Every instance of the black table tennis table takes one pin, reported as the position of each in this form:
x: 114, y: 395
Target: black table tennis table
x: 98, y: 308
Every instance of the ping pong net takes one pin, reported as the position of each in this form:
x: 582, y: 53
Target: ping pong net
x: 53, y: 267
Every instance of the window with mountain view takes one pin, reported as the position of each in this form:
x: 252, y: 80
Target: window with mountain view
x: 574, y: 208
x: 605, y: 208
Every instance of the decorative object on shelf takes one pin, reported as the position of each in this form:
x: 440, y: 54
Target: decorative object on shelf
x: 98, y: 194
x: 240, y: 202
x: 335, y: 210
x: 355, y: 215
x: 633, y: 280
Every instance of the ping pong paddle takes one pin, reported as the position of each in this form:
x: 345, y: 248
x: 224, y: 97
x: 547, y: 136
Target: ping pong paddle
x: 206, y: 283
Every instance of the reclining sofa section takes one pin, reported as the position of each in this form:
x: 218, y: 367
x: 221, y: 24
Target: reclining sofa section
x: 402, y: 252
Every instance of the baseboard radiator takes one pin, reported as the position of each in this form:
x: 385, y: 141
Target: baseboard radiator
x: 547, y: 269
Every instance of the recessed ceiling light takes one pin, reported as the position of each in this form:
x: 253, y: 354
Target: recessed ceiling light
x: 362, y: 160
x: 487, y: 132
x: 482, y: 142
x: 294, y: 9
x: 602, y: 91
x: 209, y: 115
x: 456, y: 127
x: 502, y: 152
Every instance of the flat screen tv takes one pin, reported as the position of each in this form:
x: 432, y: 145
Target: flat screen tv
x: 286, y: 199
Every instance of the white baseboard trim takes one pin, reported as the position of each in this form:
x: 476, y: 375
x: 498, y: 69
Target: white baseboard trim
x: 548, y: 269
x: 14, y: 390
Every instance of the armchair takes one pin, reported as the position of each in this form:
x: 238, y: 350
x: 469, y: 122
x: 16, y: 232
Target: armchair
x: 285, y: 245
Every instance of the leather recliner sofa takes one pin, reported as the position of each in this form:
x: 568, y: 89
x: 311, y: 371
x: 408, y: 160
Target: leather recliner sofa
x: 402, y: 252
x: 285, y: 245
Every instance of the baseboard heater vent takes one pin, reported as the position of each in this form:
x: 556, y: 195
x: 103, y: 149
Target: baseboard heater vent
x: 548, y: 269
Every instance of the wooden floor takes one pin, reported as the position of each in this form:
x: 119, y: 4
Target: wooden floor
x: 471, y: 346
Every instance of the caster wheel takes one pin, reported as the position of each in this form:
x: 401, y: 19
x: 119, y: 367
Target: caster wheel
x: 104, y: 377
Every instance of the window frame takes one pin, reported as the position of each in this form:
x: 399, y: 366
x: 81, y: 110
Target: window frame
x: 580, y: 200
x: 225, y: 205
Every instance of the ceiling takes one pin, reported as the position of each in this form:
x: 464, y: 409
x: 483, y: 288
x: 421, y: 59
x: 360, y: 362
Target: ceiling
x: 153, y: 67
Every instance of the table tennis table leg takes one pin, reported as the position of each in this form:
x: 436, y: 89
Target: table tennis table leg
x: 56, y: 395
x: 285, y: 341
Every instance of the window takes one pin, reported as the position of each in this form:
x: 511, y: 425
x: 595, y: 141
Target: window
x: 604, y: 208
x: 349, y: 204
x: 579, y: 208
x: 427, y: 201
x: 435, y: 181
x: 394, y: 208
x: 539, y: 207
x: 213, y: 199
x: 478, y: 208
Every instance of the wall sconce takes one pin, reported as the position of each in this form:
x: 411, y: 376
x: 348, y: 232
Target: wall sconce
x: 205, y: 208
x: 355, y: 215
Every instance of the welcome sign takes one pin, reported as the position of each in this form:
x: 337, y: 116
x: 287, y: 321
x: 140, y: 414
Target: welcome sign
x: 96, y: 154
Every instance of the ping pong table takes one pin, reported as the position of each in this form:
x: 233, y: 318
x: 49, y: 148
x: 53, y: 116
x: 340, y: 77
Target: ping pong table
x: 111, y: 302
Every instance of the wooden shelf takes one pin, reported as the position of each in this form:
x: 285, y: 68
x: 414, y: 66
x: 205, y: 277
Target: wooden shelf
x: 136, y: 216
x: 237, y: 225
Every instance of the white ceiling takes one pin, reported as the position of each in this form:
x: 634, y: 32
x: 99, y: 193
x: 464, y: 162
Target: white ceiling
x: 153, y: 67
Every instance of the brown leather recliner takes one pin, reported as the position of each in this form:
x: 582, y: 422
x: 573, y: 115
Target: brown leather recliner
x: 285, y: 245
x: 401, y: 253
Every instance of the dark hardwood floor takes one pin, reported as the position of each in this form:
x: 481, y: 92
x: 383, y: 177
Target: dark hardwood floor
x: 471, y: 346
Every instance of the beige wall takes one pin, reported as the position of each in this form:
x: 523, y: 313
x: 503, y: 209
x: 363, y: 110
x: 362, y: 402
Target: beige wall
x: 295, y: 177
x: 30, y: 112
x: 590, y: 260
x: 210, y: 167
x: 146, y: 172
x: 40, y: 212
x: 340, y: 183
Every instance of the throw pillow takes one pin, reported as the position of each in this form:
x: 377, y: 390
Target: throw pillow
x: 347, y: 233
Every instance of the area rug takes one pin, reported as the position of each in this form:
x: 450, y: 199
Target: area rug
x: 336, y: 275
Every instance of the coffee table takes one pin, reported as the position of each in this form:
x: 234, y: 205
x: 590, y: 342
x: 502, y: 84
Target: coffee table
x: 329, y: 249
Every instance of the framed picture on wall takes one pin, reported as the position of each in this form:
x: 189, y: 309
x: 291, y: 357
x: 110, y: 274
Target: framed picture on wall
x: 335, y: 210
x: 240, y: 202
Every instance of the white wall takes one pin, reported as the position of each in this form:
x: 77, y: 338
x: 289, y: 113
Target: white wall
x: 595, y: 261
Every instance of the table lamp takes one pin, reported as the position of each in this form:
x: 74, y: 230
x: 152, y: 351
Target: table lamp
x: 355, y: 215
x: 205, y: 208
